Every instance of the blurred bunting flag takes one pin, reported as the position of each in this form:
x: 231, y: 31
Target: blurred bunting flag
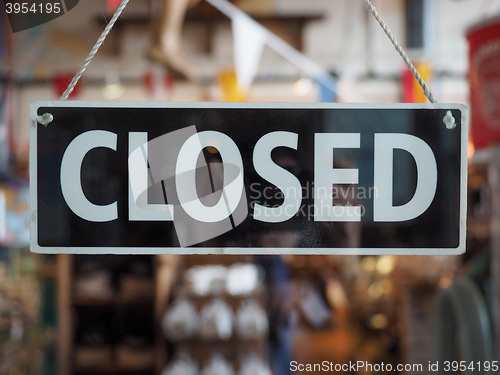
x: 231, y: 91
x: 412, y: 91
x: 249, y: 40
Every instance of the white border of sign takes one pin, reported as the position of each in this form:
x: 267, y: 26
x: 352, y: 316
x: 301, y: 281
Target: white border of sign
x: 246, y: 250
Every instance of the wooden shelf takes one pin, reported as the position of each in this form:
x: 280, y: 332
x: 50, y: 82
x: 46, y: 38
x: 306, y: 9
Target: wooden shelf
x: 113, y: 367
x: 288, y: 26
x: 46, y: 271
x: 234, y: 298
x: 117, y: 310
x: 111, y: 301
x: 73, y: 310
x: 233, y: 340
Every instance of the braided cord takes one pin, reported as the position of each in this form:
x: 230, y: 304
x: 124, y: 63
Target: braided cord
x: 402, y: 53
x: 94, y: 50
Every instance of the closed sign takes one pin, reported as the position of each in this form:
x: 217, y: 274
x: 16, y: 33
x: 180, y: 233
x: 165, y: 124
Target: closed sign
x: 248, y: 178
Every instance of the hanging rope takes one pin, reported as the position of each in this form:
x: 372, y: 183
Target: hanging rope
x: 94, y: 50
x: 47, y: 118
x: 402, y: 53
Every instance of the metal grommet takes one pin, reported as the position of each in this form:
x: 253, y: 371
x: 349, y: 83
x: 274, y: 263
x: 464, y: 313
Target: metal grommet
x: 45, y: 119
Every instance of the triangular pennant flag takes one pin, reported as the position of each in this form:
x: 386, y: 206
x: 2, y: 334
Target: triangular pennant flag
x: 249, y: 40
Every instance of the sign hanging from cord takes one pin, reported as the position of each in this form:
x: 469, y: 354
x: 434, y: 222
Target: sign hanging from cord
x: 276, y: 43
x: 248, y: 178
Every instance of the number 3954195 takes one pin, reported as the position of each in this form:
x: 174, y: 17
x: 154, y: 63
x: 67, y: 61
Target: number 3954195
x: 33, y: 7
x: 471, y: 366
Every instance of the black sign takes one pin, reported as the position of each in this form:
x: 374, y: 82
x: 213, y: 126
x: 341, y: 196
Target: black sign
x: 248, y: 178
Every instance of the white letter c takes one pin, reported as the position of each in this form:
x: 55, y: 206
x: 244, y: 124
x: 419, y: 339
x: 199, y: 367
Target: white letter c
x: 71, y: 184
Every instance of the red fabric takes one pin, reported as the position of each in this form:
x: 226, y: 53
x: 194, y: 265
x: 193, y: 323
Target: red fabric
x: 113, y: 5
x: 484, y: 75
x: 155, y: 82
x: 61, y: 83
x: 408, y: 81
x: 148, y: 82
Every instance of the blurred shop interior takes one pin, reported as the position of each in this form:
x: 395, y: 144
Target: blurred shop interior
x: 250, y: 315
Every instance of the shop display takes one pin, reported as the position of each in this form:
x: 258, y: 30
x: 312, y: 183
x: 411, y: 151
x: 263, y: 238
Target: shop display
x: 254, y: 365
x: 135, y: 352
x: 94, y: 338
x: 216, y: 320
x: 243, y: 279
x: 94, y: 283
x: 236, y: 279
x: 111, y: 315
x: 14, y: 214
x: 27, y: 322
x: 206, y: 280
x: 135, y: 282
x: 217, y: 365
x: 183, y: 364
x: 251, y: 320
x: 180, y: 320
x: 223, y: 327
